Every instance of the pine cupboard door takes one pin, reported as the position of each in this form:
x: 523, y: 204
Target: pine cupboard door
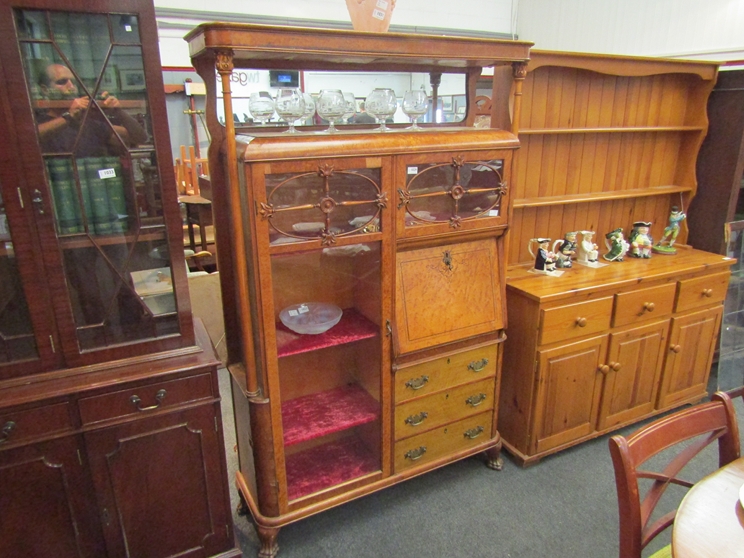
x: 160, y: 488
x: 569, y: 390
x: 634, y: 362
x: 46, y: 503
x: 692, y: 342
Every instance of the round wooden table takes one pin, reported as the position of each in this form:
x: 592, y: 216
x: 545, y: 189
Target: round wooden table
x: 710, y: 519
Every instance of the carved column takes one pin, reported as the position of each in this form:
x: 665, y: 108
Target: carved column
x: 519, y: 72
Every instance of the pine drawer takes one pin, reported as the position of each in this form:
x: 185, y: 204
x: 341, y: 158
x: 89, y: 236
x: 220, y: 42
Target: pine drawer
x: 635, y: 306
x: 702, y: 291
x: 575, y: 320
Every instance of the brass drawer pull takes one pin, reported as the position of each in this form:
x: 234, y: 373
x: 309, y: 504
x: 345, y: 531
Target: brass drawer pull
x: 477, y: 366
x: 8, y: 427
x: 708, y: 292
x: 581, y: 322
x: 649, y: 306
x: 417, y: 383
x: 415, y: 454
x: 159, y: 396
x: 474, y: 432
x: 415, y: 420
x: 475, y: 400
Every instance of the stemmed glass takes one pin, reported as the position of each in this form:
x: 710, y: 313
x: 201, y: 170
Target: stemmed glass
x: 290, y: 105
x: 331, y: 106
x: 350, y: 105
x: 309, y: 107
x: 261, y: 106
x: 381, y: 104
x: 415, y: 105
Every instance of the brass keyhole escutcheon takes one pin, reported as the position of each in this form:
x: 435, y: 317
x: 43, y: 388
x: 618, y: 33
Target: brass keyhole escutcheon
x: 447, y: 259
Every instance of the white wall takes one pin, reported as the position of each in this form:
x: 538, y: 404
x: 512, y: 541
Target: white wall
x: 702, y: 29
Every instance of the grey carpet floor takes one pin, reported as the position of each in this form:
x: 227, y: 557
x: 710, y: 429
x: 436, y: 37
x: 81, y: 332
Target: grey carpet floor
x: 563, y: 507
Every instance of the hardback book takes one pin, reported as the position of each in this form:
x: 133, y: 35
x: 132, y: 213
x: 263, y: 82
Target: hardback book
x: 64, y: 193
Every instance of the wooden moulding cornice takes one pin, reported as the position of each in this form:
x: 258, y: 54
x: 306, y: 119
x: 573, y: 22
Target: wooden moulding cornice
x: 630, y: 66
x: 268, y: 46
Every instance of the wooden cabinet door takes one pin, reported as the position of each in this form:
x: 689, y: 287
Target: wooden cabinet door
x: 568, y: 396
x: 634, y: 362
x: 160, y: 485
x: 692, y: 342
x: 47, y: 504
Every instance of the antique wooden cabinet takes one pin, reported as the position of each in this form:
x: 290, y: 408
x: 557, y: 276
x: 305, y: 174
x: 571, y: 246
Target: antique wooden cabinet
x: 110, y: 429
x: 402, y: 231
x: 606, y: 141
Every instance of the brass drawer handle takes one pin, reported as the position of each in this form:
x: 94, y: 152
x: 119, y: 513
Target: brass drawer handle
x: 474, y: 432
x: 649, y: 306
x: 581, y: 322
x: 675, y: 348
x: 415, y: 454
x: 417, y: 383
x: 415, y: 420
x: 708, y: 292
x: 479, y: 365
x: 159, y: 396
x: 475, y: 400
x: 8, y: 427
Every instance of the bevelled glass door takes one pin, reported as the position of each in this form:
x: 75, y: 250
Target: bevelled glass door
x: 86, y: 81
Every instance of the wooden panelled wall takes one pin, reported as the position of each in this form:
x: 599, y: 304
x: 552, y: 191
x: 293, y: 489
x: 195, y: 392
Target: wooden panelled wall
x: 600, y: 151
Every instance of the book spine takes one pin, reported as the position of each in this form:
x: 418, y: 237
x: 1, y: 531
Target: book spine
x: 87, y: 219
x: 116, y: 196
x: 64, y: 194
x: 98, y: 196
x: 82, y: 57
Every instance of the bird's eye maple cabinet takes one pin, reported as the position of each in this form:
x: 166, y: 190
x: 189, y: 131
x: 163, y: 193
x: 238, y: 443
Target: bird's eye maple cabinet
x: 606, y: 141
x: 111, y: 439
x: 403, y: 231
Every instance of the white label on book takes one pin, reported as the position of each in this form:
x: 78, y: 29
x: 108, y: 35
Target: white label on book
x: 107, y: 173
x: 382, y: 4
x: 412, y: 170
x: 378, y: 14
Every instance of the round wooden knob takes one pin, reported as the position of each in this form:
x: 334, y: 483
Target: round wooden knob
x: 708, y: 292
x: 649, y: 306
x: 581, y: 322
x: 604, y: 369
x: 675, y: 348
x: 615, y: 366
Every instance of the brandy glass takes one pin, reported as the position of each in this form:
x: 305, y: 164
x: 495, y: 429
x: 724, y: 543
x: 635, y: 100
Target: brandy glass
x: 290, y: 105
x: 415, y: 105
x: 309, y: 107
x: 331, y: 106
x: 382, y: 104
x: 261, y: 106
x: 350, y: 105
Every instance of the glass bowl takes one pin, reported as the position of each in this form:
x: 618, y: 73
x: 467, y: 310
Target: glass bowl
x: 310, y: 317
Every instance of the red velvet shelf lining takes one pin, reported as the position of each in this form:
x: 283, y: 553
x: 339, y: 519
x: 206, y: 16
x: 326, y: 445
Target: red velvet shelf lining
x: 328, y: 465
x: 319, y: 414
x: 352, y: 327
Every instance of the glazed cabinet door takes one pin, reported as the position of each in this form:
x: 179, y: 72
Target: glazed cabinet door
x: 692, y: 342
x: 323, y: 246
x: 47, y: 501
x: 160, y: 486
x: 631, y: 384
x: 87, y: 85
x: 569, y: 391
x: 444, y: 193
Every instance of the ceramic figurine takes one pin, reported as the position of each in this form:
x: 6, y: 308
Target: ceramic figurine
x: 617, y: 246
x: 588, y: 251
x: 544, y: 258
x: 670, y: 233
x: 565, y: 249
x: 640, y: 240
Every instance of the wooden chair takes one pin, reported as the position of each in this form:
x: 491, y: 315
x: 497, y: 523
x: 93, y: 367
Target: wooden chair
x: 709, y: 422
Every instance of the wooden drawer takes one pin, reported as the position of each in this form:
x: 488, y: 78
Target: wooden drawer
x: 702, y: 291
x: 423, y: 414
x: 141, y: 399
x: 445, y: 372
x: 34, y: 424
x: 642, y: 304
x: 443, y: 441
x: 575, y: 320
